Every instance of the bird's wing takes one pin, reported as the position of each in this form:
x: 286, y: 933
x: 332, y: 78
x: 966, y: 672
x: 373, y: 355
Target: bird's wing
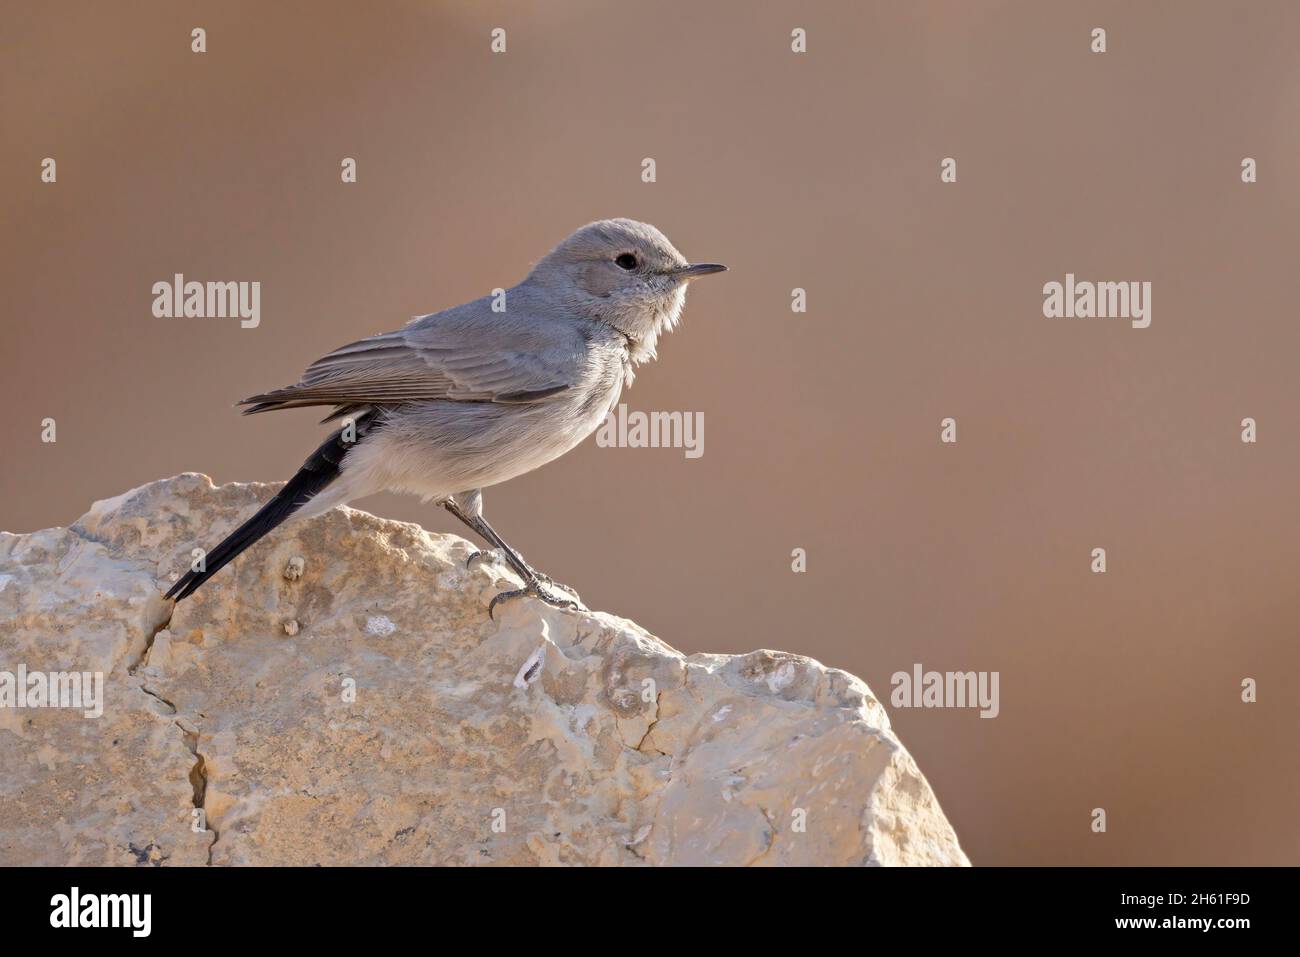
x: 465, y: 361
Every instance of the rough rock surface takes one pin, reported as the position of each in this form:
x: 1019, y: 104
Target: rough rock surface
x: 338, y: 695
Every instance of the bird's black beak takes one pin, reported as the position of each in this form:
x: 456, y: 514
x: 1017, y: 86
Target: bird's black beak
x: 701, y: 269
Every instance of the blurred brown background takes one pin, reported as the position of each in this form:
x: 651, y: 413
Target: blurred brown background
x: 821, y: 430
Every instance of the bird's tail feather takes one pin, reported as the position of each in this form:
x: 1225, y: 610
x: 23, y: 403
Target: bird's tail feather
x: 320, y: 469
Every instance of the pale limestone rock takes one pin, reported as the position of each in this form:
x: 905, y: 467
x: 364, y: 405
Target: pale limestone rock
x: 293, y: 571
x: 400, y: 725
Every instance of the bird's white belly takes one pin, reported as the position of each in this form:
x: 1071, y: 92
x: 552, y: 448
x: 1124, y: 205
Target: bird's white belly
x: 416, y: 452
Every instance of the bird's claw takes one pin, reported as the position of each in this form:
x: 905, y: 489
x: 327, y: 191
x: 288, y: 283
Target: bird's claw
x: 487, y: 554
x: 533, y: 589
x: 547, y: 580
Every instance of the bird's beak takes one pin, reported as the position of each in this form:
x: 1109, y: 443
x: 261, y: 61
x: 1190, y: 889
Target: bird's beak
x: 700, y: 269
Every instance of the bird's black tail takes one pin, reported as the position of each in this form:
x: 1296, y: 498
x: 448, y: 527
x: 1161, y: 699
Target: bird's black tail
x: 320, y: 469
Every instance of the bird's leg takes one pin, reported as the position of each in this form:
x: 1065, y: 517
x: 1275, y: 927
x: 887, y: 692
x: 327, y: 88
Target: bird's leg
x: 468, y: 507
x: 465, y: 505
x: 533, y: 579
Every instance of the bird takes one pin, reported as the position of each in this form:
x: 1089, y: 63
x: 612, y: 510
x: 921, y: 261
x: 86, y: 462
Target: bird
x: 460, y: 400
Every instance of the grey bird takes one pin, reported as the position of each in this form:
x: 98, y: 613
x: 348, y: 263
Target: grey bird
x: 476, y: 395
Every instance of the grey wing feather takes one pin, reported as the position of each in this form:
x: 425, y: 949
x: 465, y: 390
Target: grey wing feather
x: 460, y: 355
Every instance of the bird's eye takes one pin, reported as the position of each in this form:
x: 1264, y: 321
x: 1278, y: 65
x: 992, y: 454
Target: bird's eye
x: 626, y: 261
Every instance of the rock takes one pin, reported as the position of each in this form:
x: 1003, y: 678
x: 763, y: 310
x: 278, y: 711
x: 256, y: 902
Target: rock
x: 400, y: 725
x: 293, y: 571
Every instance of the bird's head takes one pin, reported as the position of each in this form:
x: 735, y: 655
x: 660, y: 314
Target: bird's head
x: 625, y: 274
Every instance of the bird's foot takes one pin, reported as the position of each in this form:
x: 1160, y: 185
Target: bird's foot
x: 494, y: 554
x: 546, y: 579
x: 532, y: 589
